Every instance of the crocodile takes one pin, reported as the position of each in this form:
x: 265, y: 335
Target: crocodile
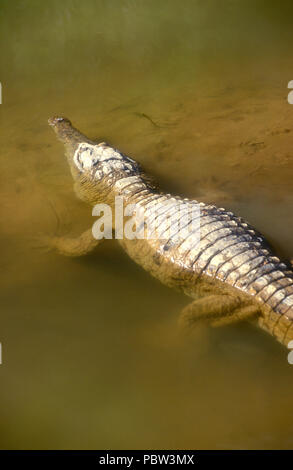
x: 231, y: 273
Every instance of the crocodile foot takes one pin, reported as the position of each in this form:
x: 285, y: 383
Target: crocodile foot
x: 69, y: 246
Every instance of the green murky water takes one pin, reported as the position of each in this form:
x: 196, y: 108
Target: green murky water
x: 92, y: 357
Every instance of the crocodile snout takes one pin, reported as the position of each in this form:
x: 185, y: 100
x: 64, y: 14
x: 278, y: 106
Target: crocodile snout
x: 55, y: 120
x: 67, y: 134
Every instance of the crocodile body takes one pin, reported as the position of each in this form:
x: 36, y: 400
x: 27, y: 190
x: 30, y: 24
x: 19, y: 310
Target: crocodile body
x: 231, y: 273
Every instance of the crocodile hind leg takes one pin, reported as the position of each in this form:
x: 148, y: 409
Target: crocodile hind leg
x: 246, y: 313
x: 72, y: 246
x: 216, y: 310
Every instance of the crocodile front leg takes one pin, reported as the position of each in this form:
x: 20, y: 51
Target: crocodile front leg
x: 217, y: 310
x: 74, y: 246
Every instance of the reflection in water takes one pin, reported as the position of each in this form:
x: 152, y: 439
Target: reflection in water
x: 92, y: 355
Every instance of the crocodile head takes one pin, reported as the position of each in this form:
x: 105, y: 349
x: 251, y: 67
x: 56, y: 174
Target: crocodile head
x: 95, y: 167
